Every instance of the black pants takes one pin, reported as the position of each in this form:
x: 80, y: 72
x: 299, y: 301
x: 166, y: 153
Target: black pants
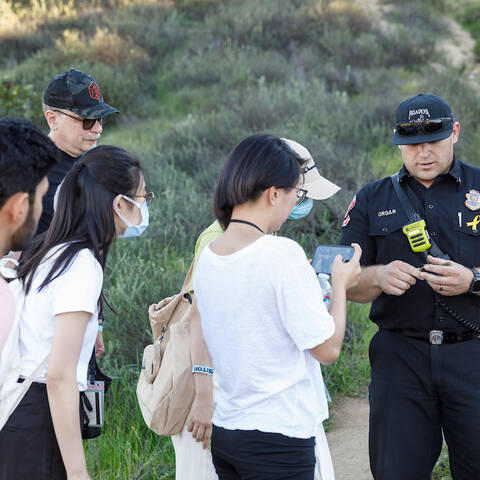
x: 255, y: 455
x: 418, y: 390
x: 28, y: 445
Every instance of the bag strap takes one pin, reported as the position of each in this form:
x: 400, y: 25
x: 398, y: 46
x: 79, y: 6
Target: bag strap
x: 28, y: 381
x: 414, y: 216
x: 186, y: 283
x: 16, y: 284
x: 409, y: 209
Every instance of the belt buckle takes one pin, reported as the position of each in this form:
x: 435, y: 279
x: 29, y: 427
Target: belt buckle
x: 436, y: 337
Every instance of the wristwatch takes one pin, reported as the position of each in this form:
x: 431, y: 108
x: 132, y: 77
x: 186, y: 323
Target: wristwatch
x: 475, y: 285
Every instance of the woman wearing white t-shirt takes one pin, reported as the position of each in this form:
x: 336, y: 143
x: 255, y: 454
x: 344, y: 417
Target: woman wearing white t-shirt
x: 102, y: 198
x: 264, y: 320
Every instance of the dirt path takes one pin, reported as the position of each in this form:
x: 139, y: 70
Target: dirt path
x: 348, y: 438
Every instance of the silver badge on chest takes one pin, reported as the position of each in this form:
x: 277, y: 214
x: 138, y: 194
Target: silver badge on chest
x: 473, y: 200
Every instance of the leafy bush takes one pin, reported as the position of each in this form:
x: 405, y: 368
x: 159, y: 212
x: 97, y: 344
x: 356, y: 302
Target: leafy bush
x: 17, y: 100
x: 103, y: 47
x: 346, y: 12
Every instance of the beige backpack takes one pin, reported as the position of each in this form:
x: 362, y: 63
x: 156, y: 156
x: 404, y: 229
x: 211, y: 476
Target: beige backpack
x: 165, y: 388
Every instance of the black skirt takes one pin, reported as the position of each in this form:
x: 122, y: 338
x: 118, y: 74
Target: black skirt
x: 28, y: 445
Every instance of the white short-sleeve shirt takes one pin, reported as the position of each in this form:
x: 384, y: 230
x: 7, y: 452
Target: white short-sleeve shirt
x: 77, y: 289
x: 261, y: 311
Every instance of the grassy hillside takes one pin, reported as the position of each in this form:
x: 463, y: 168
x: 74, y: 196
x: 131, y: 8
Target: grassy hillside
x: 191, y: 79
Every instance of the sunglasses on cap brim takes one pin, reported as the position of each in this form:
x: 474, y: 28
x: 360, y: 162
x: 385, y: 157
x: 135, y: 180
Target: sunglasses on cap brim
x: 433, y: 125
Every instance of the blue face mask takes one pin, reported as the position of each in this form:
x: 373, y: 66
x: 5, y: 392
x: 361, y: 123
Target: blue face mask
x: 301, y: 210
x: 135, y: 230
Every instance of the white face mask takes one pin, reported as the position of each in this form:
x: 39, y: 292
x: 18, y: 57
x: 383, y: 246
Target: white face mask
x: 135, y: 230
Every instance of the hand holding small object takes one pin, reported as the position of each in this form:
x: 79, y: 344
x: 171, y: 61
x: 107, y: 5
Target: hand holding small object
x: 447, y: 278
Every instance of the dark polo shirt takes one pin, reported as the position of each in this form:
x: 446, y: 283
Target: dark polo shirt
x: 375, y: 222
x: 55, y: 178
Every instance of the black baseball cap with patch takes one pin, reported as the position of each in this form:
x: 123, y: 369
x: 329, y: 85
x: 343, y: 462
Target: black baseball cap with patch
x: 78, y: 92
x: 423, y: 118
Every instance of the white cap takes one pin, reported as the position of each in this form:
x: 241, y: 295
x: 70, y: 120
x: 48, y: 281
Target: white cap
x: 317, y: 187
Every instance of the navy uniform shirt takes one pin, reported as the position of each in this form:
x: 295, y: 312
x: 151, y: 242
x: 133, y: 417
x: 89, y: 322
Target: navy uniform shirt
x: 375, y: 220
x: 55, y: 178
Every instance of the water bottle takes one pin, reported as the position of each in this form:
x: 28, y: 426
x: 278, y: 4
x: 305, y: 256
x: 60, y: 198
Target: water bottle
x: 323, y: 279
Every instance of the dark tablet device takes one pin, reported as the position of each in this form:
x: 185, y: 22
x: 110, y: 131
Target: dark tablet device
x: 325, y: 255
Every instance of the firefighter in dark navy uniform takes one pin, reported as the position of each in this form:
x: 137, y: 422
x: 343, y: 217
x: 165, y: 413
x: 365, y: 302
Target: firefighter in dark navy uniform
x: 425, y: 357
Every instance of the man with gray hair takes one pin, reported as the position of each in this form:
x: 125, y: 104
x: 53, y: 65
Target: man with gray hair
x: 75, y: 112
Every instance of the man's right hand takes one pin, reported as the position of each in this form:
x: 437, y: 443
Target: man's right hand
x: 397, y: 277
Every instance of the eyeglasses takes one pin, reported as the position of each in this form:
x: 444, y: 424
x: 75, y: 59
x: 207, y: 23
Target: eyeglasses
x: 428, y: 126
x: 301, y: 195
x: 88, y: 123
x: 148, y: 197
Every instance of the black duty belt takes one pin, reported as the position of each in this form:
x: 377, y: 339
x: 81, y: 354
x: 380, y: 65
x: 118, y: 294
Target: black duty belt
x: 437, y: 337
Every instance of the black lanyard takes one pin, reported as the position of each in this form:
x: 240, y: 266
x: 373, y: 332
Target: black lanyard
x: 246, y: 222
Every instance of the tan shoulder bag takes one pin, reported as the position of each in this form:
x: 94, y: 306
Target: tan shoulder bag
x: 165, y: 388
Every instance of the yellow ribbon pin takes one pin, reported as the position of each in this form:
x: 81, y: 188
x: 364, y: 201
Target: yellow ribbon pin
x: 474, y: 223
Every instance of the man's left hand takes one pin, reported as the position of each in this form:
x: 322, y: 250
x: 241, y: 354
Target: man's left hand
x: 447, y: 277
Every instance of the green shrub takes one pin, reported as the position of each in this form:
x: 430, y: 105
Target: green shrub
x: 270, y: 24
x: 127, y: 449
x: 161, y: 30
x: 103, y: 46
x: 17, y: 100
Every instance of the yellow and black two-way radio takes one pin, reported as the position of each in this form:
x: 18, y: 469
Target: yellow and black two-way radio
x: 418, y: 236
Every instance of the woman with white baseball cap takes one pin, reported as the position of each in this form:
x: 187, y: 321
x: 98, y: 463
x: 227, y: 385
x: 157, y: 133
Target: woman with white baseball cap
x: 191, y: 459
x: 316, y: 186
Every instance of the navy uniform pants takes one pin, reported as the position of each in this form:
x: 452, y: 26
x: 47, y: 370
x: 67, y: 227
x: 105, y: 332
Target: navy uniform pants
x: 418, y: 391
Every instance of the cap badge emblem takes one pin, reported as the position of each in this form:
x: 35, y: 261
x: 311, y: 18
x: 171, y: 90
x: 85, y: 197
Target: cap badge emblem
x: 418, y: 115
x: 94, y: 91
x: 473, y: 200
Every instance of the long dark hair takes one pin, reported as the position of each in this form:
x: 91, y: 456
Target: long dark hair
x: 84, y: 215
x: 259, y: 162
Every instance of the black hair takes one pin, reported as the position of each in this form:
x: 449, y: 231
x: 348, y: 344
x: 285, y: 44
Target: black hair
x: 84, y: 215
x: 26, y: 156
x: 258, y: 162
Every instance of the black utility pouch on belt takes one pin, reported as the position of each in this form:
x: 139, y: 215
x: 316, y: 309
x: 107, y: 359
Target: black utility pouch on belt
x: 92, y: 401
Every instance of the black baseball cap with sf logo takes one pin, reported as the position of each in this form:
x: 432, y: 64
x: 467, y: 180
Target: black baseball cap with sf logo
x: 423, y: 118
x: 78, y: 92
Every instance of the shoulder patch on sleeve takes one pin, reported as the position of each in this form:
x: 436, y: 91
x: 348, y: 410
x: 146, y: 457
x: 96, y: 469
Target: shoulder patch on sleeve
x: 346, y: 218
